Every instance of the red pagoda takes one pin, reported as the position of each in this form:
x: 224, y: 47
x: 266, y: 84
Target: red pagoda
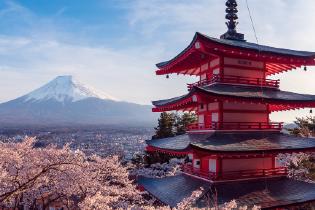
x: 233, y: 147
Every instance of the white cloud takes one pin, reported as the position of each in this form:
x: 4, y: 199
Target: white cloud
x: 163, y: 28
x: 279, y: 23
x: 126, y: 74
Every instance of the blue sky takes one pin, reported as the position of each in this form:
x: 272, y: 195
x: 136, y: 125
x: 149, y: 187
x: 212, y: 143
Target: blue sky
x: 113, y: 45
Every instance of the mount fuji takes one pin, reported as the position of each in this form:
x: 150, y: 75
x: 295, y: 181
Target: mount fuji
x: 64, y: 101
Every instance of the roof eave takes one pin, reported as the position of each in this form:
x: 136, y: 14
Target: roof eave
x: 164, y: 67
x: 263, y: 151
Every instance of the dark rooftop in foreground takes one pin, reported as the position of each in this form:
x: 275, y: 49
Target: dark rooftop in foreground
x: 266, y: 193
x: 236, y: 142
x: 172, y: 190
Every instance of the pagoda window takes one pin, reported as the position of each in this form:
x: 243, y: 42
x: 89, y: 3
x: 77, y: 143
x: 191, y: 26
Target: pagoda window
x: 196, y: 163
x: 190, y: 157
x: 212, y: 165
x: 201, y: 119
x: 216, y: 71
x: 215, y: 117
x: 202, y: 108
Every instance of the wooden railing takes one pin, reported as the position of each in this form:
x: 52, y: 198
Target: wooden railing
x: 236, y: 126
x: 234, y: 175
x: 255, y: 173
x: 237, y: 80
x: 189, y: 169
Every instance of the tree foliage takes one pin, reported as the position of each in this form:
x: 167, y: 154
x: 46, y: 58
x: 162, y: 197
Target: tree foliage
x: 305, y: 127
x: 35, y: 178
x: 300, y: 166
x: 171, y: 124
x: 165, y: 126
x: 32, y: 177
x: 182, y: 122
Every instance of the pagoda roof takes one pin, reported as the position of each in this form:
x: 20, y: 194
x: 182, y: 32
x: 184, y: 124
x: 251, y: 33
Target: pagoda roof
x: 176, y: 143
x: 235, y: 142
x: 172, y: 190
x: 279, y: 100
x: 266, y: 193
x: 242, y: 49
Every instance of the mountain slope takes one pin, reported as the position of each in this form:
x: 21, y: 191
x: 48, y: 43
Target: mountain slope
x: 65, y: 88
x: 66, y: 101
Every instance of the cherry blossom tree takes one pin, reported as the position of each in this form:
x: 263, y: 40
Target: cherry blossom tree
x: 159, y: 170
x: 38, y: 176
x: 301, y: 166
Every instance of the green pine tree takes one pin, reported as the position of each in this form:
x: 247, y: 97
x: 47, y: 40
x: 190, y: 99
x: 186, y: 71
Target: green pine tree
x: 165, y: 126
x: 182, y: 122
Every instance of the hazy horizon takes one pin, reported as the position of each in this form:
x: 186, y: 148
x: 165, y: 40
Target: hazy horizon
x: 114, y: 45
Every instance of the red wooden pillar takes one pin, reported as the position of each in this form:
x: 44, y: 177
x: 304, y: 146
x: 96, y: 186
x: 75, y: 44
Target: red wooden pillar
x: 220, y: 113
x: 273, y: 161
x: 204, y: 164
x: 268, y: 113
x: 221, y: 67
x: 219, y: 167
x: 265, y: 71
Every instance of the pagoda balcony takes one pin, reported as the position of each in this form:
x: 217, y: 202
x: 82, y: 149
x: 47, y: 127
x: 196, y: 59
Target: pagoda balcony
x: 236, y: 126
x: 236, y: 80
x: 234, y: 175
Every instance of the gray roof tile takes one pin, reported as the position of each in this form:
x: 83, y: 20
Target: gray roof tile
x: 236, y: 142
x: 242, y: 45
x: 242, y: 92
x: 267, y: 193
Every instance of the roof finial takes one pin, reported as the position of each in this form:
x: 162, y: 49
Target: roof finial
x: 231, y: 16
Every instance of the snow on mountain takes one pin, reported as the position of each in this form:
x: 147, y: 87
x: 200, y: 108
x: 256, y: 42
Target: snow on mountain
x: 64, y: 88
x: 66, y: 101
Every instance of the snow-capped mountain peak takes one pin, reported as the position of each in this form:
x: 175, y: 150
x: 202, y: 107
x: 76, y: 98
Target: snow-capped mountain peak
x: 65, y: 88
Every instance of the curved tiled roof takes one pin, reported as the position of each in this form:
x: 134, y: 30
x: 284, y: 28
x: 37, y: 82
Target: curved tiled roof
x: 229, y: 142
x: 172, y: 190
x: 255, y: 92
x: 266, y: 193
x: 171, y: 100
x: 259, y: 48
x: 177, y: 143
x: 242, y: 92
x: 242, y: 45
x: 253, y: 141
